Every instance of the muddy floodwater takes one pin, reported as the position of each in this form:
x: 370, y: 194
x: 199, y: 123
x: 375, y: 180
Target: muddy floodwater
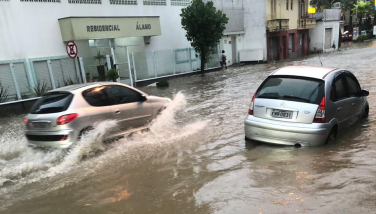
x: 194, y: 158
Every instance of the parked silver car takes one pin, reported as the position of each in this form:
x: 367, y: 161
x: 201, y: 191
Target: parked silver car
x: 62, y: 115
x: 305, y: 106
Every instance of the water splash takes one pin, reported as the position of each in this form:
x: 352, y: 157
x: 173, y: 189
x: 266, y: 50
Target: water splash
x: 20, y: 165
x: 89, y: 144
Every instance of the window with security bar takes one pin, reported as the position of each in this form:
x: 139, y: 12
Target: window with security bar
x: 155, y: 2
x: 180, y: 2
x: 48, y: 1
x: 85, y: 1
x: 124, y: 2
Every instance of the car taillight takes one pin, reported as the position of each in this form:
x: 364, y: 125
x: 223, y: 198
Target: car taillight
x: 350, y: 35
x: 63, y: 138
x: 26, y: 121
x: 320, y: 114
x: 250, y: 111
x: 343, y: 36
x: 66, y: 119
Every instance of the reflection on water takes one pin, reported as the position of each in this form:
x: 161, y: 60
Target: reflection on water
x: 196, y: 160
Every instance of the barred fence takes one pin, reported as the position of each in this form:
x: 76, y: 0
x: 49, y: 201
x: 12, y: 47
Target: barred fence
x: 163, y: 63
x: 18, y: 82
x: 28, y: 79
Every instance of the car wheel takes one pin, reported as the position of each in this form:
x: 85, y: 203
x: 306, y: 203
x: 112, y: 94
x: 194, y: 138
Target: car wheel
x: 85, y: 131
x: 366, y: 113
x: 332, y: 136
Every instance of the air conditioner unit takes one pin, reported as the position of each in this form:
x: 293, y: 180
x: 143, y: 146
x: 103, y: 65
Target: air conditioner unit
x: 337, y: 5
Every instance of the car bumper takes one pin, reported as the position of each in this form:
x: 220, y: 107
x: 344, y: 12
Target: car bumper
x: 43, y: 139
x: 286, y: 133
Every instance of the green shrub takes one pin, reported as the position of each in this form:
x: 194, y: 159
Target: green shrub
x: 361, y: 38
x: 163, y: 83
x: 67, y: 82
x: 40, y: 88
x: 112, y: 74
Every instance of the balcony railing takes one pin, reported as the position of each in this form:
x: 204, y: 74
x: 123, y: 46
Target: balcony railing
x: 277, y: 25
x: 306, y: 23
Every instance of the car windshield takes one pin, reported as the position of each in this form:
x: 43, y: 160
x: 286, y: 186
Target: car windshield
x: 52, y: 103
x: 294, y: 89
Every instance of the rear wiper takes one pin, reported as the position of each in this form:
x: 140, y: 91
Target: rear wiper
x: 297, y: 98
x: 268, y: 97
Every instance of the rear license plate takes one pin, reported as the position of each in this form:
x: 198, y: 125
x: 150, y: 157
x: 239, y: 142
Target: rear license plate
x: 281, y: 114
x: 40, y: 125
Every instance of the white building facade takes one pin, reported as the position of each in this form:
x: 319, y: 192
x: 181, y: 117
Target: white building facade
x: 141, y: 39
x: 245, y: 36
x: 325, y: 37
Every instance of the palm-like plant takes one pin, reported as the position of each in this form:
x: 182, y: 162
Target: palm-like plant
x: 99, y: 57
x: 40, y: 88
x: 362, y: 9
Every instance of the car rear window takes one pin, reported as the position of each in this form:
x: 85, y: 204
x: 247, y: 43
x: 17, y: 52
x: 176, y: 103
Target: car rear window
x: 294, y: 89
x: 52, y: 103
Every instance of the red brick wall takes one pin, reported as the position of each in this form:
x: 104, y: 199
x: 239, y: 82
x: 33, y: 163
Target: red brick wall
x: 283, y: 49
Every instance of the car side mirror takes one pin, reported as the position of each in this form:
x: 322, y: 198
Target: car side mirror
x: 143, y: 98
x: 364, y: 93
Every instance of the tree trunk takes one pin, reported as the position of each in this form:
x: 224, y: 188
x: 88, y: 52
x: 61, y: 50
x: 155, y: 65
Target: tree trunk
x: 360, y: 24
x: 351, y: 22
x: 203, y: 62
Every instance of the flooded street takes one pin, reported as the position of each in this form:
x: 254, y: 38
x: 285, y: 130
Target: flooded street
x: 195, y: 159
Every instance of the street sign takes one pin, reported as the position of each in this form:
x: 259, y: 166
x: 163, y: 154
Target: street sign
x: 72, y: 49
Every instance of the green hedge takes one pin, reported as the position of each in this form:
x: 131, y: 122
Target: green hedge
x: 361, y: 38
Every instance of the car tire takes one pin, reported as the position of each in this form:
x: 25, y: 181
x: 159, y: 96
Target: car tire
x: 85, y: 131
x: 332, y: 136
x: 366, y: 113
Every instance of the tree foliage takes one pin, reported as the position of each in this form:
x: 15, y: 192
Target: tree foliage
x: 362, y: 9
x: 320, y: 5
x: 204, y: 26
x: 348, y: 5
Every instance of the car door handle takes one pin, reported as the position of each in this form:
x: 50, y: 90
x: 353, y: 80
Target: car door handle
x: 352, y: 104
x: 339, y: 109
x: 117, y: 111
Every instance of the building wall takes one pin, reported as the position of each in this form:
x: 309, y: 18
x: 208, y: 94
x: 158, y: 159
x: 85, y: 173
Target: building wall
x: 316, y: 36
x: 334, y: 25
x: 276, y: 9
x: 31, y: 29
x: 254, y: 26
x: 299, y: 48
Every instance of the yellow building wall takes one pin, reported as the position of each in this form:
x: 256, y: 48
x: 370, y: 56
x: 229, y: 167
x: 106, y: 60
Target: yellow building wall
x: 276, y: 9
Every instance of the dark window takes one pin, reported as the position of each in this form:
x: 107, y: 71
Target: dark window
x: 294, y: 89
x: 354, y: 89
x: 292, y: 2
x: 122, y: 95
x: 340, y: 89
x: 97, y: 96
x: 287, y: 4
x: 52, y: 103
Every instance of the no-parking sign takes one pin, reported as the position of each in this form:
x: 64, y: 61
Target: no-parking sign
x: 72, y: 49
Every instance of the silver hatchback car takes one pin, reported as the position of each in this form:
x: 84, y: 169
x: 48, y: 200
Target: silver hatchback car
x: 305, y: 106
x: 62, y: 115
